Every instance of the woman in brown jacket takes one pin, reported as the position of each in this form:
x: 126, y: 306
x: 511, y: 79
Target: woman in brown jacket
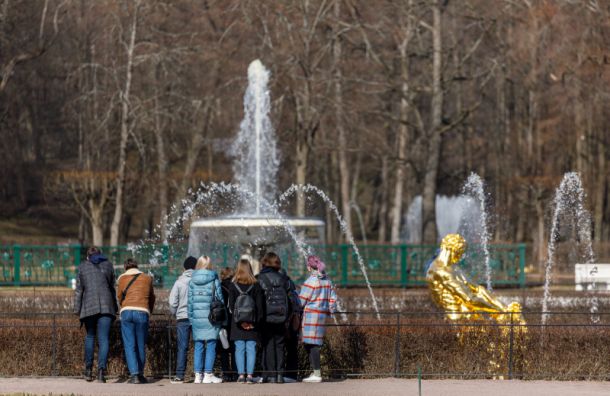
x: 136, y: 300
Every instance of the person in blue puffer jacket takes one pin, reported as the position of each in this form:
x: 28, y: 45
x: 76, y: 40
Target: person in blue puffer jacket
x: 204, y: 282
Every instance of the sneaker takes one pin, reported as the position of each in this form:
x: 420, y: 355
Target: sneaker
x: 280, y: 379
x: 134, y: 379
x: 198, y: 378
x: 177, y: 380
x: 209, y: 378
x: 289, y: 380
x: 88, y: 374
x: 313, y: 378
x: 142, y: 379
x: 241, y: 379
x: 250, y: 380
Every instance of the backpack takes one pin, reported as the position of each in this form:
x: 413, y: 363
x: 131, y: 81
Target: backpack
x: 276, y: 297
x: 218, y: 311
x: 245, y: 307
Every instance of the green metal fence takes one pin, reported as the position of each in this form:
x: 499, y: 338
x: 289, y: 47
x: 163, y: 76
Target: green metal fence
x: 386, y: 265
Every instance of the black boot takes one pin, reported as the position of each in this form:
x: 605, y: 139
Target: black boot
x: 88, y: 374
x: 134, y: 379
x: 100, y: 376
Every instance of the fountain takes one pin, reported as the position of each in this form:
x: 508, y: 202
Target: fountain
x: 255, y: 225
x: 569, y: 199
x: 474, y: 188
x: 465, y: 213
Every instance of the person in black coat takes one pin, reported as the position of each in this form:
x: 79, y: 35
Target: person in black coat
x: 245, y: 333
x: 278, y: 310
x: 95, y: 304
x: 227, y: 356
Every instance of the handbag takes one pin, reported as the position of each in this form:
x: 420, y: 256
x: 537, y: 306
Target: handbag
x: 218, y: 311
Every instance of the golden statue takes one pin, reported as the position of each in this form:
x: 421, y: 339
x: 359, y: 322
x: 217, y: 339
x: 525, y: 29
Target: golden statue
x: 465, y: 301
x: 457, y: 295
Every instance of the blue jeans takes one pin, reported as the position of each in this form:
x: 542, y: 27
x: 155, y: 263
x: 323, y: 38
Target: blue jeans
x: 183, y: 335
x: 134, y: 329
x: 97, y: 325
x: 247, y: 348
x: 210, y: 356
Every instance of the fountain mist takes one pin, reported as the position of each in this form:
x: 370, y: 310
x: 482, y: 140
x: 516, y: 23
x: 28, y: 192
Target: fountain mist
x: 255, y: 150
x: 569, y: 199
x: 474, y: 187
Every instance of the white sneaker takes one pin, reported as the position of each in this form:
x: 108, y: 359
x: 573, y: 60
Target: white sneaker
x: 209, y: 378
x: 313, y: 378
x: 198, y: 378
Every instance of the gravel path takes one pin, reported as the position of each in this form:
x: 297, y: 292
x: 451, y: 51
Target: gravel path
x: 385, y: 387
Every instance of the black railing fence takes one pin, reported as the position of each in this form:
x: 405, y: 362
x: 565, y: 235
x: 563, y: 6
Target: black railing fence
x: 568, y: 345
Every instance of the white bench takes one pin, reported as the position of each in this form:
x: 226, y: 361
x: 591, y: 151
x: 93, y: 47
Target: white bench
x: 592, y: 276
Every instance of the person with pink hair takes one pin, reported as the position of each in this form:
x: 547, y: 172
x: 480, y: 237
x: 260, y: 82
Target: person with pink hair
x: 318, y: 299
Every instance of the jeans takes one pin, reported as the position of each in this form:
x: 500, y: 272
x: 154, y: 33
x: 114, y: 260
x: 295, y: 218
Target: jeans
x: 247, y: 348
x: 97, y: 325
x: 183, y: 335
x: 210, y: 356
x: 134, y: 329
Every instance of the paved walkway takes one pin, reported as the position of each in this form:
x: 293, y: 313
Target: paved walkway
x: 385, y: 387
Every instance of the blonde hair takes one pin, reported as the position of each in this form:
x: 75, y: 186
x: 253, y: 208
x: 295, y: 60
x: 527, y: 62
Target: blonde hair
x: 204, y: 262
x: 243, y: 273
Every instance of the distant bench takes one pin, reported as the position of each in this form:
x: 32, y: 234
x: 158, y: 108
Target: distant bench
x: 592, y: 276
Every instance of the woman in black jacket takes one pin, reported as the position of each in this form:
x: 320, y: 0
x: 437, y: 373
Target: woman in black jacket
x: 246, y: 304
x: 227, y: 356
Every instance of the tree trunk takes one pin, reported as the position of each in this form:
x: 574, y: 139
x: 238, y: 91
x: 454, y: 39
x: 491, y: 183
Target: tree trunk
x: 343, y: 168
x: 302, y: 153
x: 396, y: 212
x: 383, y: 207
x: 600, y: 186
x: 96, y: 213
x: 435, y: 139
x: 120, y: 181
x: 162, y: 173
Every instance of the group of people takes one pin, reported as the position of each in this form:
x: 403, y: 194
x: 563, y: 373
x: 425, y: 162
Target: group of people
x: 238, y: 307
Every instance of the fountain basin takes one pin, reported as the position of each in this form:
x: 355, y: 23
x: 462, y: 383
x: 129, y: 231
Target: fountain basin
x: 253, y: 231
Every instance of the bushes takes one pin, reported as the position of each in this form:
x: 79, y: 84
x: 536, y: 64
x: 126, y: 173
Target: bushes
x: 440, y: 351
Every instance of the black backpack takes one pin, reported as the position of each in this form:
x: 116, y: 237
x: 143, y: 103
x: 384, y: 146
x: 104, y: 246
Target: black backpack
x: 245, y: 307
x: 218, y: 311
x: 276, y: 297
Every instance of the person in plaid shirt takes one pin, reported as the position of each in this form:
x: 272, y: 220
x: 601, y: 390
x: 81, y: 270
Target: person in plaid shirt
x: 318, y: 299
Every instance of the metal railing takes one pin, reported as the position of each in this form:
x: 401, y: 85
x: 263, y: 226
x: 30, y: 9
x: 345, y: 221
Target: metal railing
x: 402, y: 344
x: 386, y: 265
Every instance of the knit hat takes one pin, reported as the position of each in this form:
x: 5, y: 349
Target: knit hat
x: 315, y: 263
x: 190, y: 263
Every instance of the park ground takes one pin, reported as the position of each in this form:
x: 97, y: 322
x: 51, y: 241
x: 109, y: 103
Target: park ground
x: 386, y: 387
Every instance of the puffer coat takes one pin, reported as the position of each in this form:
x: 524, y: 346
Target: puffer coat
x: 203, y: 283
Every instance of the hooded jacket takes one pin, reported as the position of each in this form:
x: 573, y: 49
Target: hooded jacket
x: 178, y: 297
x: 94, y: 293
x: 203, y: 283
